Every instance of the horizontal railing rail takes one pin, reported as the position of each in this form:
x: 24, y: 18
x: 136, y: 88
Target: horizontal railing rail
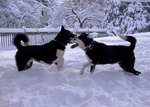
x: 38, y: 35
x: 48, y: 30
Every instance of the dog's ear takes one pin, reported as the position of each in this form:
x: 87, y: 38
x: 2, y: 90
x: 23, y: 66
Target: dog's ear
x: 84, y: 34
x: 62, y: 27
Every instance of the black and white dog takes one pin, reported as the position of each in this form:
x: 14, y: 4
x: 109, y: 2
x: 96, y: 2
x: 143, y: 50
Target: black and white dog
x: 49, y: 53
x: 99, y: 53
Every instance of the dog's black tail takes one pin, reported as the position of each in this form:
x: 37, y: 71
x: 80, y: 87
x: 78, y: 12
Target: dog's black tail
x: 18, y: 38
x: 130, y: 39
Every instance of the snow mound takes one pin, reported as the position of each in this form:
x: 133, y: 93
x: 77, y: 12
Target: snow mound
x: 109, y: 86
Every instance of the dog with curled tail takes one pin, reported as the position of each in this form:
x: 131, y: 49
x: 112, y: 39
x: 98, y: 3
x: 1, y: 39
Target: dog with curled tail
x: 51, y: 52
x: 100, y: 53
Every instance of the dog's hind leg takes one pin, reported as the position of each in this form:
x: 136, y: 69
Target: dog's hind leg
x: 92, y: 68
x: 129, y: 67
x: 21, y: 62
x: 29, y: 64
x: 21, y: 65
x: 84, y: 66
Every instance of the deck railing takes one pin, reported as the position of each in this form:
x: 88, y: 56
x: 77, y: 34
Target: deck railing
x: 37, y: 35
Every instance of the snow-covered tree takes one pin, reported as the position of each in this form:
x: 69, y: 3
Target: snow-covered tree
x: 84, y: 12
x: 18, y: 13
x: 53, y: 7
x: 130, y: 17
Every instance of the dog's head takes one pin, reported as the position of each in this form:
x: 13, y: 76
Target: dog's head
x: 82, y: 41
x: 64, y: 36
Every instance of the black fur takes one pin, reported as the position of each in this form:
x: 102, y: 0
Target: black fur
x: 45, y: 53
x: 100, y: 53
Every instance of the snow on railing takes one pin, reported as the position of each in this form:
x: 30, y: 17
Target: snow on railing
x: 38, y: 35
x: 48, y: 30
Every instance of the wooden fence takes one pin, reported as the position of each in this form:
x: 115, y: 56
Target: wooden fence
x: 37, y: 36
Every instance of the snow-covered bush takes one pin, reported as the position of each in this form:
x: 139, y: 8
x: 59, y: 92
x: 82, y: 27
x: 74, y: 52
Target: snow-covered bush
x: 130, y: 17
x: 18, y: 13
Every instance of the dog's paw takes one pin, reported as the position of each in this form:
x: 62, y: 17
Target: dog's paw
x: 81, y: 73
x: 137, y: 73
x: 91, y: 72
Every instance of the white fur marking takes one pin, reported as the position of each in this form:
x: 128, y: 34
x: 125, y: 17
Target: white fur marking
x: 85, y: 66
x: 60, y: 59
x: 29, y: 62
x: 88, y: 58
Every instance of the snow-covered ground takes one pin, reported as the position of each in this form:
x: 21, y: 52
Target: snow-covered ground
x: 109, y: 86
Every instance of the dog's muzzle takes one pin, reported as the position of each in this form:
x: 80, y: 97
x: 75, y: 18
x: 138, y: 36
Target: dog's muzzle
x: 74, y: 41
x: 74, y: 46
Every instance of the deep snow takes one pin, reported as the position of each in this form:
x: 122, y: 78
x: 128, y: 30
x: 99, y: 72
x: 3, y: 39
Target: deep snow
x: 109, y: 86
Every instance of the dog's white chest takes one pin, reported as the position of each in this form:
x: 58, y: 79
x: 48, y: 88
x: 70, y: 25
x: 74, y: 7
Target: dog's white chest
x: 59, y: 55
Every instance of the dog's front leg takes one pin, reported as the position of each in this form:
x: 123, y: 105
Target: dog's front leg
x: 84, y: 66
x: 60, y: 63
x: 92, y: 68
x: 60, y: 59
